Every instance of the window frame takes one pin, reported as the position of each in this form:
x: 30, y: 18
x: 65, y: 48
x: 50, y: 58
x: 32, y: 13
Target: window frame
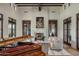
x: 1, y: 20
x: 12, y: 22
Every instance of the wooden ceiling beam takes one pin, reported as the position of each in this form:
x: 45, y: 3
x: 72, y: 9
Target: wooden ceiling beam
x: 37, y: 4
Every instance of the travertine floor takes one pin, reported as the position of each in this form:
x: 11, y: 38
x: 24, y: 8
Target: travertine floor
x: 49, y: 52
x: 62, y: 52
x: 66, y: 51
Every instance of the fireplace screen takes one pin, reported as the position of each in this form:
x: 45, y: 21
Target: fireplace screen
x: 39, y: 36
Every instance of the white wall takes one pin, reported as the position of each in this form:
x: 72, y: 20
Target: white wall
x: 32, y: 13
x: 7, y: 11
x: 70, y: 11
x: 19, y: 15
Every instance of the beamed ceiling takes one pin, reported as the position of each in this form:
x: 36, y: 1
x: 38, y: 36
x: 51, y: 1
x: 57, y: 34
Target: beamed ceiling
x: 38, y: 4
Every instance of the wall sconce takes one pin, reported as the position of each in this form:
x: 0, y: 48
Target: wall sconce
x: 39, y: 7
x: 1, y: 16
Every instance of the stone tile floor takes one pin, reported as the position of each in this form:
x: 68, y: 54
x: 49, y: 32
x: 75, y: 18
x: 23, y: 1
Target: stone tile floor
x: 62, y: 52
x: 49, y: 52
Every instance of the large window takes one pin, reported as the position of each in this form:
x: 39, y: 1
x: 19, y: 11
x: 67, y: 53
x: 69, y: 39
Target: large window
x: 26, y: 27
x: 67, y: 31
x: 12, y: 27
x: 1, y: 26
x: 52, y: 24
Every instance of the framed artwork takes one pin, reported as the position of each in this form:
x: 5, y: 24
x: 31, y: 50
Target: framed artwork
x: 39, y: 22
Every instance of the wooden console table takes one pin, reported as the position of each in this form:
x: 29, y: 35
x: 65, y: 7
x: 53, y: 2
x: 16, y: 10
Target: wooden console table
x: 14, y: 40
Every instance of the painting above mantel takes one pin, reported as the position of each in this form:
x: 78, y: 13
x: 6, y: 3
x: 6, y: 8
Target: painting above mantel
x: 39, y: 22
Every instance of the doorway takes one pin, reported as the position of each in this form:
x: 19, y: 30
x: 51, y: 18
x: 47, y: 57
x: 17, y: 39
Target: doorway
x: 52, y: 27
x: 77, y: 30
x: 67, y: 31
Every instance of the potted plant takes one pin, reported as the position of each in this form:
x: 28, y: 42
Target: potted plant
x: 42, y: 37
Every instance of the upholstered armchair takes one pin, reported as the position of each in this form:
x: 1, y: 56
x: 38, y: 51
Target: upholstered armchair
x: 56, y: 44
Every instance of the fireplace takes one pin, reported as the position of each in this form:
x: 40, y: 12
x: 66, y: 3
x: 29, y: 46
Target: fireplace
x: 39, y: 36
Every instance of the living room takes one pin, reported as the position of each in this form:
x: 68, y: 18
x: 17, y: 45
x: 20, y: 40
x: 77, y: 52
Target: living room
x: 40, y: 20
